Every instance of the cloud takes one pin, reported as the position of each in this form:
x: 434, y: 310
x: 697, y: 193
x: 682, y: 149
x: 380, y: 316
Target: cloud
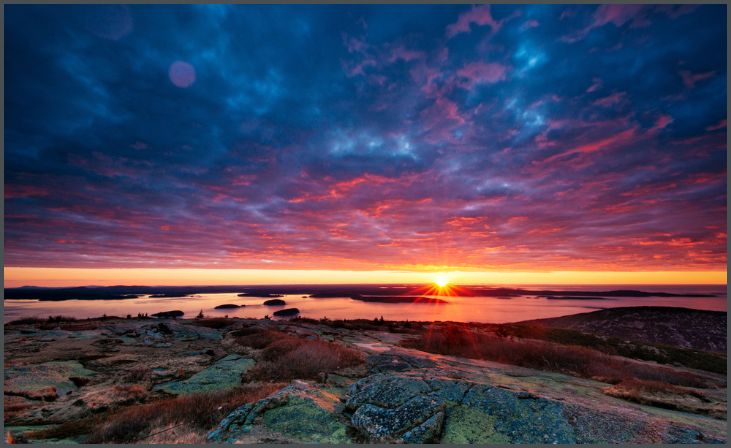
x: 478, y: 15
x: 481, y: 73
x: 310, y: 140
x: 690, y: 79
x: 610, y: 100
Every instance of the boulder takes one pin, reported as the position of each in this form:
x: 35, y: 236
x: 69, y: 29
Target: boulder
x: 419, y: 420
x: 45, y: 381
x: 298, y: 413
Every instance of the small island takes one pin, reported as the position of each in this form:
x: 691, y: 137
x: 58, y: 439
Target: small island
x: 397, y: 299
x: 228, y: 306
x: 169, y: 314
x: 287, y: 312
x: 264, y: 295
x: 274, y: 302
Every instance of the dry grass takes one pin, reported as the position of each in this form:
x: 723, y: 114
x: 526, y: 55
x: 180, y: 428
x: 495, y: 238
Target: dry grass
x: 574, y: 360
x: 661, y: 394
x: 286, y: 357
x: 657, y: 387
x: 197, y: 412
x: 13, y: 405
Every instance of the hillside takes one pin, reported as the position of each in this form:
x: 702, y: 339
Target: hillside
x: 680, y: 327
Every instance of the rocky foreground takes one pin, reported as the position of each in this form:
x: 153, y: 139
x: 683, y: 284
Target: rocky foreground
x: 251, y: 381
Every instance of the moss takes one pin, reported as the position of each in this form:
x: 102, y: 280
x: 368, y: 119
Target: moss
x: 469, y: 425
x: 224, y: 374
x: 302, y: 419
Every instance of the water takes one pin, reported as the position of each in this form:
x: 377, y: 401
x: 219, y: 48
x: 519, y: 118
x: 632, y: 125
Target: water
x: 461, y: 309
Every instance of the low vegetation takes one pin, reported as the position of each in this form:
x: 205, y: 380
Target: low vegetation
x: 574, y: 360
x: 664, y: 395
x: 663, y: 354
x: 376, y: 324
x: 216, y: 323
x: 199, y: 412
x: 286, y: 357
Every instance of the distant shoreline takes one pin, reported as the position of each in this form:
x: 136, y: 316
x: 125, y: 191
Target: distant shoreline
x: 164, y: 317
x: 134, y: 292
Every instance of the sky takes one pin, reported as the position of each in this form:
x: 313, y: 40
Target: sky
x: 239, y: 140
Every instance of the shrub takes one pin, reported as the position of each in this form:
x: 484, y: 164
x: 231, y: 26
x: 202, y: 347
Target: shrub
x: 287, y: 357
x: 134, y: 423
x: 136, y: 374
x: 280, y: 347
x: 256, y: 337
x: 215, y: 323
x: 585, y: 362
x: 57, y: 321
x: 27, y: 321
x: 79, y: 326
x: 59, y: 318
x: 304, y: 359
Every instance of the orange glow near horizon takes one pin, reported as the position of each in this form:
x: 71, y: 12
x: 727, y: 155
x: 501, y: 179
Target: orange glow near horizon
x: 21, y: 276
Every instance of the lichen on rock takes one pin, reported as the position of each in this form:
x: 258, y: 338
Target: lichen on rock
x: 47, y: 380
x: 296, y: 413
x: 223, y: 374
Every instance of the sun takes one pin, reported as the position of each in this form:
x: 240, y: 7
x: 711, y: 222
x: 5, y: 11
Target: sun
x: 441, y: 281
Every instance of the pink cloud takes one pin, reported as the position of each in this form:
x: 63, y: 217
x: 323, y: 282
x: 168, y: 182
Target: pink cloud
x: 358, y: 68
x: 481, y: 73
x: 690, y: 79
x: 426, y: 77
x: 610, y: 100
x: 662, y: 122
x: 480, y: 15
x: 440, y: 119
x: 597, y: 145
x: 616, y: 14
x: 715, y: 127
x: 595, y: 85
x: 24, y: 191
x: 354, y: 44
x: 401, y: 53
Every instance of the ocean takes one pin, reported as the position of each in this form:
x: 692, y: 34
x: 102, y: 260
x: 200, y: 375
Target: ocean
x: 459, y: 309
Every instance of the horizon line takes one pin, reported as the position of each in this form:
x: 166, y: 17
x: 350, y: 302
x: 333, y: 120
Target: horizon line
x: 76, y: 277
